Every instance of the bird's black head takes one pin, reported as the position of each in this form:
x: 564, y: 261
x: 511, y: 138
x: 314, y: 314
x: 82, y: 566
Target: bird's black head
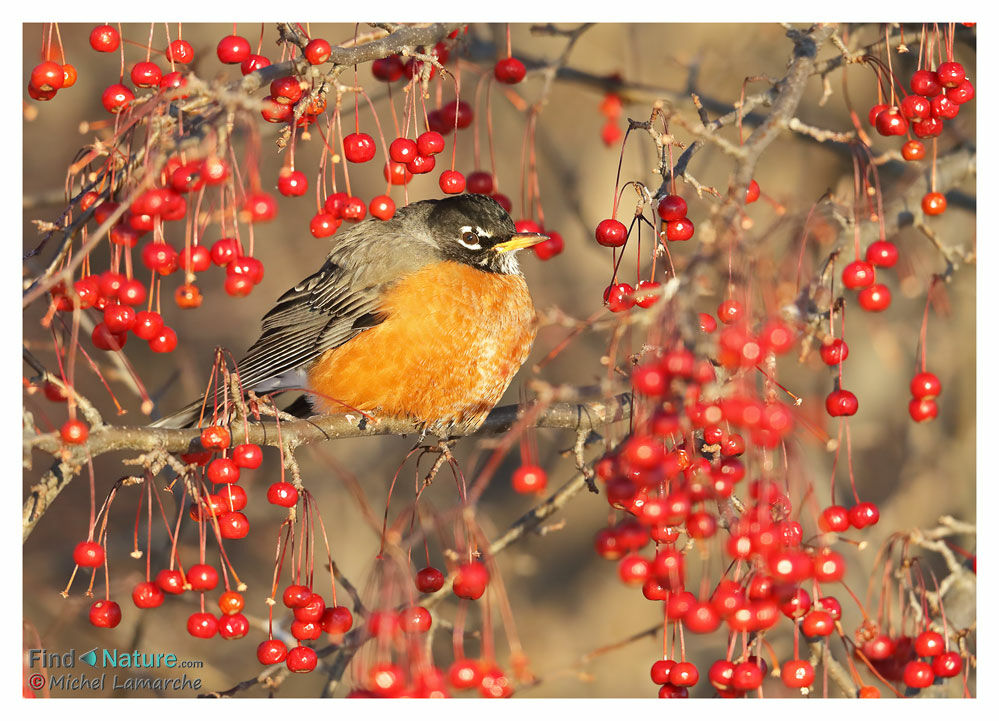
x: 474, y: 229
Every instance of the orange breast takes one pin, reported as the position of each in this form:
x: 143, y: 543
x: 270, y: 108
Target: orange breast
x: 452, y: 340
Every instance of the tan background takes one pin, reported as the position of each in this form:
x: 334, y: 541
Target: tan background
x: 566, y: 601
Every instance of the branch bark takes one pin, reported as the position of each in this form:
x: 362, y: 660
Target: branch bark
x: 580, y: 417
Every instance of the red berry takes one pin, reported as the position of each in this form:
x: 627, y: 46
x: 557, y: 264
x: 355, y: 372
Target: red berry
x: 923, y: 409
x: 292, y: 183
x: 233, y: 626
x: 747, y: 676
x: 180, y: 51
x: 470, y: 580
x: 388, y: 69
x: 253, y: 63
x: 858, y: 274
x: 863, y: 515
x: 929, y: 643
x: 683, y: 674
x: 104, y: 39
x: 301, y: 659
x: 230, y: 497
x: 202, y: 577
x: 915, y: 107
x: 116, y: 98
x: 397, y: 173
x: 947, y: 664
x: 510, y: 71
x: 834, y: 351
x: 730, y: 311
x: 318, y: 51
x: 611, y: 233
x: 835, y: 519
x: 882, y: 254
x: 47, y: 76
x: 797, y: 674
x: 917, y: 674
x: 148, y: 325
x: 925, y: 385
x: 336, y: 620
x: 551, y: 247
x: 282, y: 494
x: 934, y: 203
x: 403, y: 150
x: 620, y: 297
x: 874, y: 299
x: 961, y: 94
x: 682, y: 229
x: 105, y: 614
x: 458, y: 114
x: 88, y: 554
x: 296, y: 595
x: 817, y: 624
x: 69, y: 75
x: 195, y: 258
x: 430, y: 143
x: 37, y: 94
x: 479, y: 182
x: 753, y: 191
x: 323, y: 225
x: 415, y: 619
x: 950, y: 74
x: 233, y: 49
x: 829, y: 566
x: 223, y: 470
x: 421, y: 164
x: 943, y: 107
x: 925, y: 83
x: 233, y: 525
x: 646, y: 293
x: 74, y: 432
x: 890, y: 121
x: 247, y: 455
x: 875, y: 110
x: 530, y: 479
x: 672, y: 207
x: 271, y: 651
x: 172, y: 82
x: 429, y: 580
x: 913, y: 150
x: 146, y: 74
x: 147, y: 595
x: 841, y: 402
x: 927, y: 128
x: 202, y: 625
x: 287, y: 91
x: 354, y: 209
x: 215, y: 437
x: 452, y: 182
x: 359, y: 147
x: 104, y: 339
x: 386, y: 680
x: 261, y: 207
x: 701, y: 617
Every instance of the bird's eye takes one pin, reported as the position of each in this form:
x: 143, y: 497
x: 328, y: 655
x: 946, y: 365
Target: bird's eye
x: 470, y: 240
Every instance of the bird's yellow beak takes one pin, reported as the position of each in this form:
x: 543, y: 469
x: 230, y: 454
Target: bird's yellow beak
x: 519, y: 242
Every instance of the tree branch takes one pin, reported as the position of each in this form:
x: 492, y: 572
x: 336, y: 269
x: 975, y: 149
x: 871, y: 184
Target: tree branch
x: 580, y: 417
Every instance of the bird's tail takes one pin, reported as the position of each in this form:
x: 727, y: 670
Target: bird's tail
x: 186, y: 417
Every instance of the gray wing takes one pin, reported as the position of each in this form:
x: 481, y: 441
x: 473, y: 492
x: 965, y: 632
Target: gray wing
x: 322, y: 312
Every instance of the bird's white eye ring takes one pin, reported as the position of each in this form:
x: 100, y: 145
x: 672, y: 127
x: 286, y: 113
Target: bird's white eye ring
x: 470, y: 240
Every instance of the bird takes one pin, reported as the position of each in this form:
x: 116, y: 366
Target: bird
x: 425, y: 317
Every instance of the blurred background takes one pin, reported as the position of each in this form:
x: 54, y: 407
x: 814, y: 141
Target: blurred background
x: 566, y: 601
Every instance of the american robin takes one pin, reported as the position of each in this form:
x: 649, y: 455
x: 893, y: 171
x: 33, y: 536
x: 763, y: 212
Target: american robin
x: 425, y: 316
